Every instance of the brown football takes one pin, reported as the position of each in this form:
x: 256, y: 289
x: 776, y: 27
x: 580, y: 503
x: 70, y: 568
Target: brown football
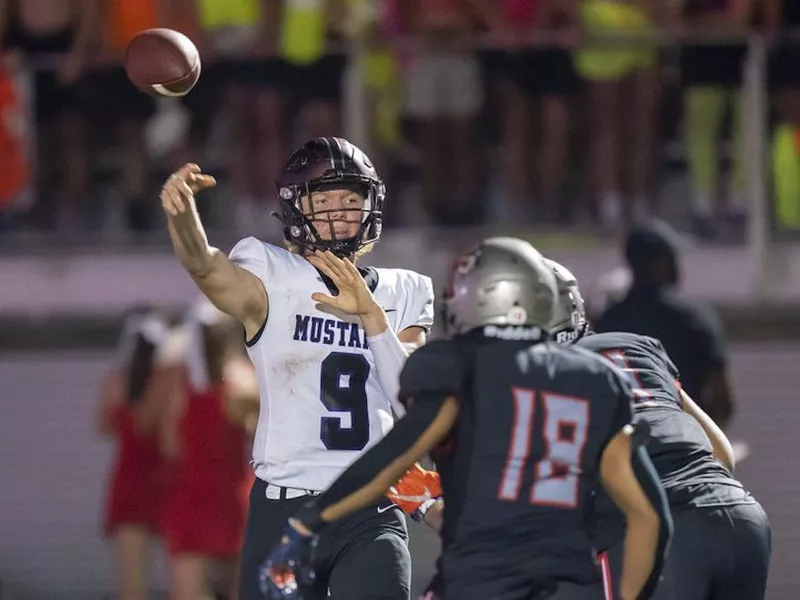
x: 162, y: 62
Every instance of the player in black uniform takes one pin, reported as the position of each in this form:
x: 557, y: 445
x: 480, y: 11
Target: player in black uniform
x: 521, y: 430
x: 721, y: 545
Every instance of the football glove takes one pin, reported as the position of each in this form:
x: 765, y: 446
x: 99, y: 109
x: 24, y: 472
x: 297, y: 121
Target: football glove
x: 288, y: 565
x: 416, y: 489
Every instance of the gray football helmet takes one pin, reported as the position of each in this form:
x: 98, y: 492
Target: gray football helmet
x: 569, y: 317
x: 504, y: 281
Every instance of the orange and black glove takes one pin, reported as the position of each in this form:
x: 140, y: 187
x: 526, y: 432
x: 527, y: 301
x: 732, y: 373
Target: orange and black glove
x: 417, y: 489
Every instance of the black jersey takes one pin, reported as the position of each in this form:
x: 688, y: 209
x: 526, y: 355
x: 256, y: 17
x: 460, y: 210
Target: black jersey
x: 519, y: 469
x: 679, y: 448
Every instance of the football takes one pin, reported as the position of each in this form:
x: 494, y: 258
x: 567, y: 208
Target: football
x: 162, y: 62
x: 415, y: 487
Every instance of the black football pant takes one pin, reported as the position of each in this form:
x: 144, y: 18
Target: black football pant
x: 519, y: 588
x: 362, y: 557
x: 717, y: 553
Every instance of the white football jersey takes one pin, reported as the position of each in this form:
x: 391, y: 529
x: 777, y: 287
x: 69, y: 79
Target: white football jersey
x: 321, y: 402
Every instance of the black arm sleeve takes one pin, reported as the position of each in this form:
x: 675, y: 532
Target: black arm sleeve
x: 436, y: 367
x: 361, y: 473
x: 648, y: 479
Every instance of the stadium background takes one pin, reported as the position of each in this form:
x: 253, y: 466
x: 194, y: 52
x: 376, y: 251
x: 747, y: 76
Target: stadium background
x: 62, y: 295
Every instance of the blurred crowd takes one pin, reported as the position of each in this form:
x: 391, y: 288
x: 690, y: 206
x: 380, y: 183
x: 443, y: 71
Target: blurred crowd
x: 475, y: 110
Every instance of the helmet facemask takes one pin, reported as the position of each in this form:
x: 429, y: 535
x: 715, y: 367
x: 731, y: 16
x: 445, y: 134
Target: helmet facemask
x: 299, y: 224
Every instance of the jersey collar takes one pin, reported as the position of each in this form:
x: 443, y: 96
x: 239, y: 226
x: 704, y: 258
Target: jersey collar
x: 370, y: 275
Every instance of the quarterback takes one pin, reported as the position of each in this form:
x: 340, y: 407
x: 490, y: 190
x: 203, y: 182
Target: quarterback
x: 328, y: 340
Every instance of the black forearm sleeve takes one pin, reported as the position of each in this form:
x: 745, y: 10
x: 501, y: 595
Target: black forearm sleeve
x: 648, y: 479
x: 362, y: 472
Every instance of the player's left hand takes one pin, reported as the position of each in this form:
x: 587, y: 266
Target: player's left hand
x: 354, y: 297
x: 288, y: 565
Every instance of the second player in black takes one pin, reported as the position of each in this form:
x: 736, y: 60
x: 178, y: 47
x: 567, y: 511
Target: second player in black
x: 721, y: 545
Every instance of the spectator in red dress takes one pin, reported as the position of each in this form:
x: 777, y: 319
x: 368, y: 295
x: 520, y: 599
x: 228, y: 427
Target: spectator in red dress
x: 130, y: 411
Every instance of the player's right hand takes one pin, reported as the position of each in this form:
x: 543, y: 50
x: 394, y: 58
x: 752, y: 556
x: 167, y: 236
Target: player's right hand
x: 288, y: 566
x: 178, y: 192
